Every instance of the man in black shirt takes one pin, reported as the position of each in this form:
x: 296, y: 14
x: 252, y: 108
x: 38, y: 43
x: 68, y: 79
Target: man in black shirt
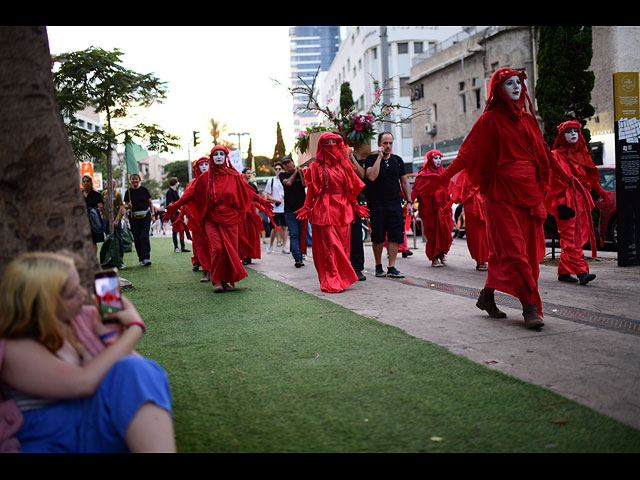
x: 387, y: 187
x: 292, y: 180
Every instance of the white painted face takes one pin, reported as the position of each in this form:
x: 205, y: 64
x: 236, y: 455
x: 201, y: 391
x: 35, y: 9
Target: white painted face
x: 437, y: 160
x: 512, y: 87
x: 571, y: 135
x: 203, y: 166
x: 218, y: 157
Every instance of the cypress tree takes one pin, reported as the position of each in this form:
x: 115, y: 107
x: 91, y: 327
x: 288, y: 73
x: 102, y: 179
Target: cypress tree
x: 279, y: 151
x: 563, y: 89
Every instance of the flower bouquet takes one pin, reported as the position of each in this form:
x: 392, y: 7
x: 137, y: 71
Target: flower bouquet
x: 302, y: 142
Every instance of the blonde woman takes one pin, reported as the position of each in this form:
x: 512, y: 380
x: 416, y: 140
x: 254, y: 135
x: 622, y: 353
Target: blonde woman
x: 75, y: 397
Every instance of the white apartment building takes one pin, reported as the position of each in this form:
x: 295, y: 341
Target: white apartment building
x: 359, y: 60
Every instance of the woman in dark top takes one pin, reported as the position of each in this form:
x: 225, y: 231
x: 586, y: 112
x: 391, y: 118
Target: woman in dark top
x: 138, y: 201
x: 94, y: 202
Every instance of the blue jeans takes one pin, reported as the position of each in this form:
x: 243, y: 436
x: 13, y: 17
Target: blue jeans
x: 295, y: 229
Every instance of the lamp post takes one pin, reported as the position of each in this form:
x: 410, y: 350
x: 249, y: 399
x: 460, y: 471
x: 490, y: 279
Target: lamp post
x: 239, y: 146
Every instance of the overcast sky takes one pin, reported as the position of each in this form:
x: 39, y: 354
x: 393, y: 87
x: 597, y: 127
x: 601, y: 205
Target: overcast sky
x: 226, y: 73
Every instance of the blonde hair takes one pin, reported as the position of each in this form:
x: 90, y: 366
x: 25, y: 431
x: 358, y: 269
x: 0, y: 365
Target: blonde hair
x: 29, y: 294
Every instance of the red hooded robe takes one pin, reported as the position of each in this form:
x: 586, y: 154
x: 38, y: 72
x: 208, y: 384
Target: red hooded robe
x: 463, y: 191
x: 193, y: 213
x: 223, y: 197
x: 330, y: 205
x: 571, y: 187
x: 437, y: 222
x: 506, y: 156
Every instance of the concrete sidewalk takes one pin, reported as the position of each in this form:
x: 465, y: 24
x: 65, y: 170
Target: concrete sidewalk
x: 588, y: 350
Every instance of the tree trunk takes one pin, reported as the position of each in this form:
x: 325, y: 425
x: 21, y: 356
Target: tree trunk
x: 41, y: 205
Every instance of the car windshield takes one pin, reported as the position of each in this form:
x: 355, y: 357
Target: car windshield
x: 608, y: 180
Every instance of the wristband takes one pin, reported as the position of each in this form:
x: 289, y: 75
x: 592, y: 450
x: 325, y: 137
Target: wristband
x: 140, y: 324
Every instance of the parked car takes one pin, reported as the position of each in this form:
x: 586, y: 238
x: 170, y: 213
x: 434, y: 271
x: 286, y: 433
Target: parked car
x: 605, y: 220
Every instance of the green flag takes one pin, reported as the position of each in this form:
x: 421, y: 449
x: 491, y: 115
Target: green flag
x: 133, y: 153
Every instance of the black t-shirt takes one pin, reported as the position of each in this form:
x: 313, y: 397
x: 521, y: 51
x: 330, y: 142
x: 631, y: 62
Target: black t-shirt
x: 93, y: 199
x: 294, y: 195
x: 171, y: 196
x: 139, y: 198
x: 385, y: 188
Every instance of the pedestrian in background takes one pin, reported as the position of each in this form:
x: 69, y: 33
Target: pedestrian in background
x: 434, y: 210
x: 275, y: 192
x: 138, y: 201
x: 118, y: 215
x: 569, y: 201
x: 386, y: 187
x: 95, y: 209
x: 294, y: 185
x: 177, y: 225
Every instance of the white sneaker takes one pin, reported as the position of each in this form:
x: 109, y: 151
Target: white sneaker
x: 269, y: 249
x: 285, y: 250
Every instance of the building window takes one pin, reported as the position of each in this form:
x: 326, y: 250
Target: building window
x: 417, y: 47
x: 403, y: 47
x: 405, y: 88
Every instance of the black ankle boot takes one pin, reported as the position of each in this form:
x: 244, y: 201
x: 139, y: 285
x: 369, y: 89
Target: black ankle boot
x: 567, y: 277
x: 531, y: 318
x: 486, y: 301
x: 585, y: 277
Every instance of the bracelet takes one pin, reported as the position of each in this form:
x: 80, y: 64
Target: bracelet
x: 140, y: 324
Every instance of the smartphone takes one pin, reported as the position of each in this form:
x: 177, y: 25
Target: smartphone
x: 107, y: 287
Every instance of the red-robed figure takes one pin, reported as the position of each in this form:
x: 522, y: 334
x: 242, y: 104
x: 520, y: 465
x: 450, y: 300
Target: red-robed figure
x: 249, y: 235
x: 437, y: 222
x: 330, y: 205
x: 506, y: 156
x: 569, y: 201
x: 223, y: 197
x: 463, y: 191
x: 193, y: 213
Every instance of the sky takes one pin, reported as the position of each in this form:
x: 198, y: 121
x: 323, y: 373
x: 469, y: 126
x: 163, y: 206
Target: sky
x: 227, y: 73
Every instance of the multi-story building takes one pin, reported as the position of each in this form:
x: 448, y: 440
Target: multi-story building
x: 451, y: 83
x: 312, y: 50
x: 359, y: 60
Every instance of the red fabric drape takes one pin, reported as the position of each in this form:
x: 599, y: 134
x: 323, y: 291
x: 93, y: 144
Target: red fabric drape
x: 437, y: 222
x: 463, y: 191
x: 571, y: 180
x: 223, y: 197
x: 506, y: 156
x: 330, y: 204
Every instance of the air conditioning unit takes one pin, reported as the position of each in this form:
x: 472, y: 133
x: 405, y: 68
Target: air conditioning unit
x: 431, y: 128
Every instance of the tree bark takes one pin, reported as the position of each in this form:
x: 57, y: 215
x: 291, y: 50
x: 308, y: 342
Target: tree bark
x: 41, y: 205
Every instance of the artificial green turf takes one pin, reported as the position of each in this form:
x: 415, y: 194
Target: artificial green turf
x: 268, y: 368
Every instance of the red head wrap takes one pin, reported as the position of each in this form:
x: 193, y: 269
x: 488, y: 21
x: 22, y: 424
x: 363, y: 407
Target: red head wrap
x: 499, y: 99
x: 195, y: 167
x: 429, y: 165
x: 576, y: 152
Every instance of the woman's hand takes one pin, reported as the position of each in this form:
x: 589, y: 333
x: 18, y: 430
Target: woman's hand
x: 128, y: 315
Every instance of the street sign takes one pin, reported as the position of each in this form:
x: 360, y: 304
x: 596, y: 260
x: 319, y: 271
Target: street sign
x: 626, y: 109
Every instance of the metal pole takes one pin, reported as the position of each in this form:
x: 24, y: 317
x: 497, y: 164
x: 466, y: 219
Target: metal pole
x: 384, y: 53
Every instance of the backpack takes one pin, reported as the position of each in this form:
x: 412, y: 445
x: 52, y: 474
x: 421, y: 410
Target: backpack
x: 95, y: 221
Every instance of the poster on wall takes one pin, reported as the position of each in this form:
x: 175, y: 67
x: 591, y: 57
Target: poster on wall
x: 626, y: 95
